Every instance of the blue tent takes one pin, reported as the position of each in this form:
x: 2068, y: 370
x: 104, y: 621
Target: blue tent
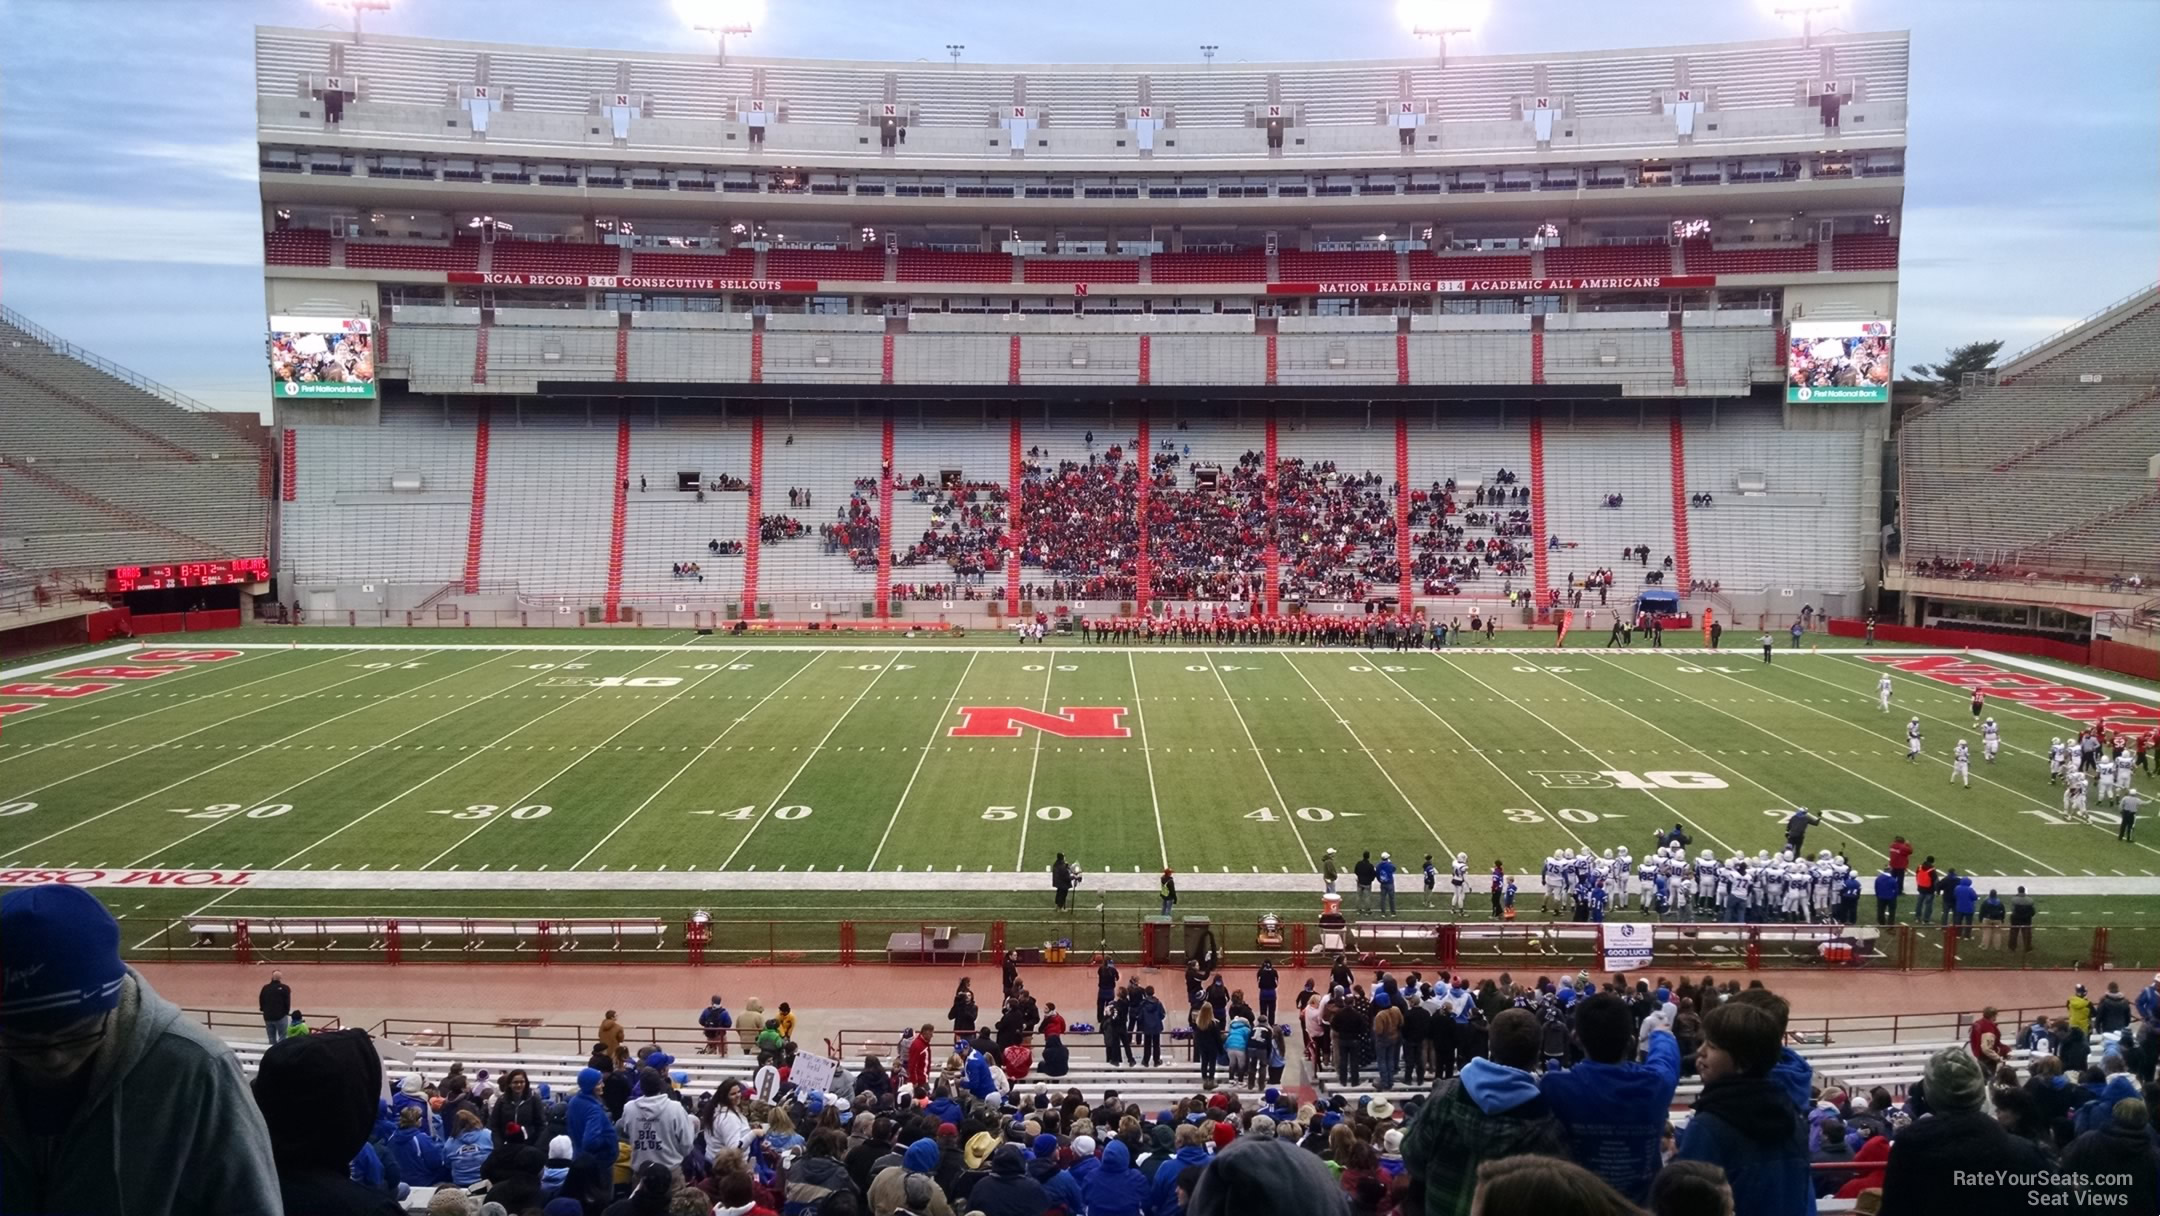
x: 1663, y: 603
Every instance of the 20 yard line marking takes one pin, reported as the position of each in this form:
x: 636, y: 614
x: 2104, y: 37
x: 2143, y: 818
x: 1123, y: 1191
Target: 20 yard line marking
x: 1354, y: 737
x: 1140, y: 716
x: 256, y: 749
x: 1027, y: 803
x: 656, y: 707
x: 755, y: 824
x: 1289, y: 813
x: 702, y: 752
x: 936, y: 729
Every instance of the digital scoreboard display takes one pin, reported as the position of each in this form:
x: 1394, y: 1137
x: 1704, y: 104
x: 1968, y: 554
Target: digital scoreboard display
x: 188, y: 574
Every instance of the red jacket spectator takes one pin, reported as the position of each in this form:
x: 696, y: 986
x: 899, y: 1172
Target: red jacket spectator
x: 918, y: 1061
x: 1018, y: 1061
x: 1900, y: 856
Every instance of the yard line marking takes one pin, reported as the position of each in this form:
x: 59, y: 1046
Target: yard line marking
x: 357, y: 754
x: 1289, y: 813
x: 755, y: 824
x: 258, y: 748
x: 1369, y: 756
x: 1480, y: 753
x: 936, y: 728
x: 693, y: 760
x: 471, y: 754
x: 1886, y: 789
x: 1147, y: 755
x: 70, y: 740
x: 1652, y: 794
x: 1027, y: 803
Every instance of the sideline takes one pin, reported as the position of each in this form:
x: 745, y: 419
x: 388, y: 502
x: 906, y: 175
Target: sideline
x: 2070, y: 673
x: 1073, y: 647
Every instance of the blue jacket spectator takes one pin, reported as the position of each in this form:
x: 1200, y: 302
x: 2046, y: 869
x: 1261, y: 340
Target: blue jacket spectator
x: 468, y: 1150
x: 1191, y: 1150
x: 1965, y: 900
x: 1239, y: 1034
x: 592, y: 1132
x: 979, y: 1081
x: 418, y: 1158
x: 1746, y: 1122
x: 1117, y: 1189
x: 1614, y: 1108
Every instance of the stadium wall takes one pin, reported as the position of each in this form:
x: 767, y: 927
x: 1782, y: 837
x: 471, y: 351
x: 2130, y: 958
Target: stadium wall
x: 2118, y: 657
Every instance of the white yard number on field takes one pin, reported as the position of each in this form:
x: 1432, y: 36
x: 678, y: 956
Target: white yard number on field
x: 1568, y: 814
x: 1614, y: 778
x: 1060, y: 667
x: 1049, y: 814
x: 486, y: 810
x: 1526, y: 669
x: 16, y: 808
x: 1844, y: 819
x: 556, y: 666
x: 1388, y: 667
x: 216, y: 810
x: 635, y: 681
x: 1310, y: 814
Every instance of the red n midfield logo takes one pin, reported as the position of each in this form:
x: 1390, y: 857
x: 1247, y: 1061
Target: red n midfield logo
x: 1070, y: 722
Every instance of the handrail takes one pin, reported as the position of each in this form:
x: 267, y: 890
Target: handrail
x: 62, y: 346
x: 2080, y: 323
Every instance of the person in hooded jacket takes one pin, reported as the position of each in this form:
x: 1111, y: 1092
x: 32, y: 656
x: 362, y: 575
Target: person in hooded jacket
x: 1116, y: 1189
x: 2120, y: 1160
x: 514, y: 1169
x: 888, y: 1191
x: 655, y: 1186
x: 657, y: 1126
x: 593, y: 1138
x: 556, y: 1171
x: 1255, y: 1177
x: 1745, y: 1121
x: 108, y: 1096
x: 317, y: 1095
x: 467, y: 1150
x: 1491, y: 1109
x: 417, y: 1157
x: 1191, y: 1145
x: 1614, y: 1108
x: 1007, y: 1190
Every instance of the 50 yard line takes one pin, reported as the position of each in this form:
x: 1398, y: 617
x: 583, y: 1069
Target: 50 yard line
x: 1027, y: 808
x: 1140, y: 716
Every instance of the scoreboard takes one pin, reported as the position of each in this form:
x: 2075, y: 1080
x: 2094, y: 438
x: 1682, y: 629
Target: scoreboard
x: 188, y: 574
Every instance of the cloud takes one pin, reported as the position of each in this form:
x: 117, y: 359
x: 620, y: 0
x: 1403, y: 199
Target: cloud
x: 87, y: 230
x: 230, y: 159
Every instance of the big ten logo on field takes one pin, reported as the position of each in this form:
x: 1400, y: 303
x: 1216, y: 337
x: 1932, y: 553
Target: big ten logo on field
x: 2078, y: 704
x: 611, y: 682
x: 1069, y: 722
x: 1621, y: 779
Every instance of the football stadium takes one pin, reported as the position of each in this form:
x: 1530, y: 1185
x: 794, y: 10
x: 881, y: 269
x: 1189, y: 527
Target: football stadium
x: 861, y: 521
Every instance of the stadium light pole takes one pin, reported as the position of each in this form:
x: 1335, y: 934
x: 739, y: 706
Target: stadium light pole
x: 356, y: 7
x: 721, y: 32
x: 953, y: 49
x: 1806, y: 14
x: 720, y: 18
x: 1207, y: 52
x: 1439, y: 34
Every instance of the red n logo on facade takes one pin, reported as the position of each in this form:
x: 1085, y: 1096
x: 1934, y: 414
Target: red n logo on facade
x: 1070, y: 722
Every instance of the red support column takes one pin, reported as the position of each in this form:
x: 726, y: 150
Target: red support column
x: 884, y: 556
x: 1271, y: 358
x: 1681, y: 578
x: 1402, y: 358
x: 1679, y: 354
x: 1537, y: 350
x: 1012, y: 361
x: 618, y: 522
x: 1143, y: 583
x: 885, y: 362
x: 1406, y: 587
x: 1015, y: 523
x: 757, y: 512
x: 1538, y: 563
x: 1146, y: 359
x: 1272, y: 556
x: 477, y: 523
x: 757, y: 356
x: 290, y: 490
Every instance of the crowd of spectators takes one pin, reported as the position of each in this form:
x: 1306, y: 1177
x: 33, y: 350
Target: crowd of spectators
x: 1335, y: 532
x: 1445, y: 554
x: 856, y: 532
x: 967, y: 533
x: 1208, y: 543
x: 775, y: 528
x: 1080, y: 523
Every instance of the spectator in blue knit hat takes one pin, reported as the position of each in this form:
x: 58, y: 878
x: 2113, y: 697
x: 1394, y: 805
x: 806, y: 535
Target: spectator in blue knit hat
x: 83, y: 1041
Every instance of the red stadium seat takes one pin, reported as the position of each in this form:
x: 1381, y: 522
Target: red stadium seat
x: 1425, y: 265
x: 1249, y: 266
x: 1081, y: 270
x: 460, y: 254
x: 932, y: 266
x: 1296, y: 265
x: 734, y: 264
x: 1781, y: 258
x: 867, y: 265
x: 556, y: 257
x: 1866, y: 252
x: 297, y: 247
x: 1578, y: 261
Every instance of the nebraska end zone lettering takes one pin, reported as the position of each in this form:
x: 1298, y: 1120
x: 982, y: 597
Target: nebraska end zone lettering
x: 2078, y: 704
x: 1069, y: 722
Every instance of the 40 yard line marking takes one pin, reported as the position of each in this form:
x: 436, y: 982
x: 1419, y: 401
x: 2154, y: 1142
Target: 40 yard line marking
x: 936, y: 729
x: 1027, y: 803
x: 1354, y: 738
x: 197, y: 775
x: 1140, y: 716
x: 701, y: 754
x: 590, y: 752
x: 884, y: 667
x: 1289, y: 815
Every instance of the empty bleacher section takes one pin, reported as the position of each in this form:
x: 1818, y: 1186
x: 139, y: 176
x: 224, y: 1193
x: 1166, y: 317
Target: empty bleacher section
x: 1785, y: 506
x: 863, y: 264
x: 297, y: 247
x: 831, y: 465
x: 1248, y: 266
x: 1080, y: 270
x: 549, y: 498
x: 379, y: 505
x: 1424, y: 265
x: 667, y: 525
x: 462, y: 253
x: 1294, y: 264
x: 104, y: 468
x: 1587, y: 260
x: 1589, y: 461
x: 1787, y: 258
x: 1864, y: 252
x: 933, y: 266
x: 734, y: 264
x: 555, y: 257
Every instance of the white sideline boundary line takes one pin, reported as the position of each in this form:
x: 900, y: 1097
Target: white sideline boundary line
x: 89, y: 656
x: 233, y: 882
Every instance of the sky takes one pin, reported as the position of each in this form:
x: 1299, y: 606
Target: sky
x: 129, y: 219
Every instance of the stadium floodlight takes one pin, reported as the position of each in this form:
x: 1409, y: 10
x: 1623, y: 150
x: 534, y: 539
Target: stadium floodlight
x: 1441, y: 19
x: 953, y: 49
x: 1207, y: 52
x: 721, y: 19
x: 1807, y: 14
x: 357, y: 7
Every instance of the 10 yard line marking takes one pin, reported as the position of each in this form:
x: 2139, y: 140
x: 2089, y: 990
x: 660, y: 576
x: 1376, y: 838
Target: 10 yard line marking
x: 252, y: 751
x: 702, y: 753
x: 1390, y: 777
x: 1027, y: 803
x: 369, y: 750
x: 657, y: 706
x: 937, y: 728
x: 1140, y: 715
x: 884, y: 667
x: 1289, y: 812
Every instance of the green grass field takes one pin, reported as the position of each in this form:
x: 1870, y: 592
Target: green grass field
x: 643, y: 773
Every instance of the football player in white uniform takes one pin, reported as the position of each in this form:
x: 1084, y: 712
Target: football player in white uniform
x: 1882, y: 693
x: 2058, y: 759
x: 2073, y: 801
x: 1990, y: 740
x: 2105, y: 771
x: 1961, y: 764
x: 2125, y: 764
x: 1912, y: 740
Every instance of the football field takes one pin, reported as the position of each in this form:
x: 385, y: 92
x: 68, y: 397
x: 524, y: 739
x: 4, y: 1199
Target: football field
x: 615, y: 765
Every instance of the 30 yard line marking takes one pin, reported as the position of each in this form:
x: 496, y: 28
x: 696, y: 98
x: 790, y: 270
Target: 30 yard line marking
x: 357, y: 754
x: 1877, y: 784
x: 1140, y: 716
x: 656, y: 707
x: 1354, y: 737
x: 1027, y: 803
x: 176, y: 705
x: 244, y: 754
x: 755, y: 824
x: 936, y: 728
x: 1289, y: 813
x: 701, y: 754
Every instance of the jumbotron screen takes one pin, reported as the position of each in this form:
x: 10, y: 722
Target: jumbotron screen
x: 1833, y: 361
x: 322, y: 357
